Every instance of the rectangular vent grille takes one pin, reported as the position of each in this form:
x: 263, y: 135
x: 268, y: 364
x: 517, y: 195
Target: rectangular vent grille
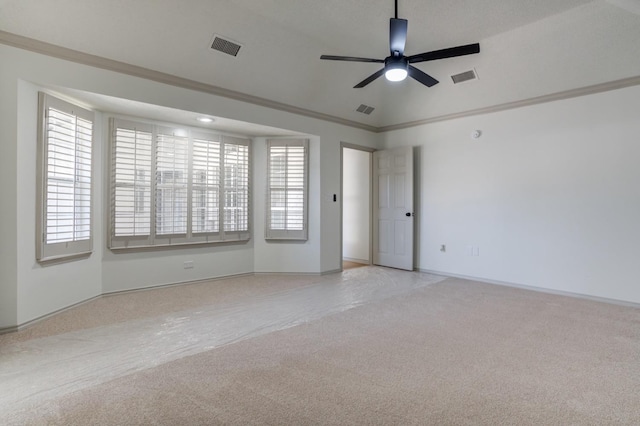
x: 365, y: 109
x: 464, y: 76
x: 225, y: 46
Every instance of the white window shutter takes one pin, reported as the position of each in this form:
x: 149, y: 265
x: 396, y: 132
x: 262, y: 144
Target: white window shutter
x: 131, y: 179
x: 65, y: 189
x: 205, y: 186
x: 236, y: 188
x: 172, y: 170
x: 287, y: 189
x: 175, y: 186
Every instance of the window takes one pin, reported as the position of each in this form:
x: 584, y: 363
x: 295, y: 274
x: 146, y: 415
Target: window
x: 64, y: 181
x: 287, y: 171
x: 174, y: 186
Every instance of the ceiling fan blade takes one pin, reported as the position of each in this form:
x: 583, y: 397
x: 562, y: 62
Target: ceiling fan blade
x: 451, y: 52
x: 397, y: 35
x: 422, y: 77
x: 369, y: 79
x: 351, y: 59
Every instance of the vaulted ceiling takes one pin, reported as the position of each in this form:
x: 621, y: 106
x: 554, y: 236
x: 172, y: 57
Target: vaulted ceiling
x: 529, y: 48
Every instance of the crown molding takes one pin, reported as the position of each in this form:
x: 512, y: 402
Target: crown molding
x: 76, y: 56
x: 59, y: 52
x: 558, y: 96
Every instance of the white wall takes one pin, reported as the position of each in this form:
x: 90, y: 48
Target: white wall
x: 330, y: 184
x: 549, y: 194
x: 28, y: 290
x: 290, y: 256
x: 8, y: 190
x: 44, y: 289
x: 356, y: 205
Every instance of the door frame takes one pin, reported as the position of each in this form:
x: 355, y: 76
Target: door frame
x: 370, y: 150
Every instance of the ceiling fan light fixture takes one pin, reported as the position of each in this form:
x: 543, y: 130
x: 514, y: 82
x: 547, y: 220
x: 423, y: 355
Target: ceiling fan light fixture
x: 395, y: 74
x: 396, y: 69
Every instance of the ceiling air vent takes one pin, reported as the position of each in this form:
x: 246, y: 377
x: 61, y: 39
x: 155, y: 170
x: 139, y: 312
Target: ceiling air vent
x: 464, y: 76
x: 225, y: 45
x: 365, y: 109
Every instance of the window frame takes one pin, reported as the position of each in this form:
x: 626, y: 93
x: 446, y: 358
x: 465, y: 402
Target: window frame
x: 189, y: 238
x: 82, y: 247
x: 288, y: 234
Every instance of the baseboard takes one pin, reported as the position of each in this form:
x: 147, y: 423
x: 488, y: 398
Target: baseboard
x: 155, y: 287
x: 333, y: 271
x: 354, y: 260
x: 308, y: 274
x: 34, y: 321
x: 29, y: 323
x: 7, y: 330
x: 534, y: 288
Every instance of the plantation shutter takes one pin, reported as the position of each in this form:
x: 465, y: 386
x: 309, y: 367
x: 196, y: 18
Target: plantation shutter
x: 236, y: 188
x: 205, y: 187
x: 287, y: 182
x: 174, y: 186
x: 172, y: 170
x: 65, y: 191
x: 131, y: 179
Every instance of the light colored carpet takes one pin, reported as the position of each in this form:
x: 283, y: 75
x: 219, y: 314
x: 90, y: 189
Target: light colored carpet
x: 451, y: 352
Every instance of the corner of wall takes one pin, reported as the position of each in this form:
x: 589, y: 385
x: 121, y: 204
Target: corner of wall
x: 8, y: 194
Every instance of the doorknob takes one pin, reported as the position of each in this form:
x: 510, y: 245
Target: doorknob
x: 408, y: 214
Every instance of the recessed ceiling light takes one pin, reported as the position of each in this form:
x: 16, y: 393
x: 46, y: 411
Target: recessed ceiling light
x: 205, y: 119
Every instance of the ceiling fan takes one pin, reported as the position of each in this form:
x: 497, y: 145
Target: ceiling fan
x: 396, y: 65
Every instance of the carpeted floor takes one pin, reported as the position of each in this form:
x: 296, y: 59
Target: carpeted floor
x: 447, y: 352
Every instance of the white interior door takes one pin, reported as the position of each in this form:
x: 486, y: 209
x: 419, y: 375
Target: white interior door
x: 393, y: 208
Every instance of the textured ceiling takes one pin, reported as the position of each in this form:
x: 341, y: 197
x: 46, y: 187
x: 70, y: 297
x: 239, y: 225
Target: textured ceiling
x: 529, y: 48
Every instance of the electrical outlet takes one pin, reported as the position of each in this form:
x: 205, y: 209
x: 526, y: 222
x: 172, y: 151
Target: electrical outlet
x: 476, y: 251
x: 188, y: 264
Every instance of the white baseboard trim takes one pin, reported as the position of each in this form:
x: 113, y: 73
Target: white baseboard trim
x: 534, y: 288
x: 155, y: 287
x: 308, y: 274
x: 354, y: 260
x: 7, y: 330
x: 19, y: 327
x: 34, y: 321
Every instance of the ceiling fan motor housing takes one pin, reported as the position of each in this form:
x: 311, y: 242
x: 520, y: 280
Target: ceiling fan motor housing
x: 396, y: 68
